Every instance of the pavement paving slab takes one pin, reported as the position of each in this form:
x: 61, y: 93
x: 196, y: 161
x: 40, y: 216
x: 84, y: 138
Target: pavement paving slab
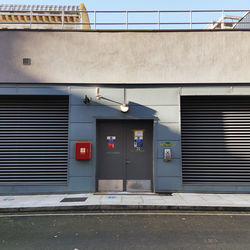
x: 192, y: 201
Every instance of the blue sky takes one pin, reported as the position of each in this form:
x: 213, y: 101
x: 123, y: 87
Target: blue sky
x: 143, y: 4
x: 151, y: 5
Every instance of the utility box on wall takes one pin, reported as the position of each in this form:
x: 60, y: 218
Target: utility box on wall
x: 83, y: 150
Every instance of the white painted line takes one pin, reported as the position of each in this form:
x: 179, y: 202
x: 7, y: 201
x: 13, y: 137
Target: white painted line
x: 125, y: 213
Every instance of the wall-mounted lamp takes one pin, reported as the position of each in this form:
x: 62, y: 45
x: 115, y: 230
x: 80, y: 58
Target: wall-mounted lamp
x: 124, y: 108
x: 86, y: 100
x: 98, y: 96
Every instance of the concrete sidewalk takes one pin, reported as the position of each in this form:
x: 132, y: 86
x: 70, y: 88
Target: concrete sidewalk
x: 176, y: 201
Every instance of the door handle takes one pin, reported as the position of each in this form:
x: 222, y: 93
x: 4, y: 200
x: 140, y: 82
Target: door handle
x: 128, y: 162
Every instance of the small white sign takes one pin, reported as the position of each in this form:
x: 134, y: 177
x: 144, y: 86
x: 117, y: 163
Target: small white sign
x: 83, y: 150
x: 111, y: 138
x: 139, y: 133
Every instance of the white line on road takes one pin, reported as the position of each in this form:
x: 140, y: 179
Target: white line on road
x: 124, y: 213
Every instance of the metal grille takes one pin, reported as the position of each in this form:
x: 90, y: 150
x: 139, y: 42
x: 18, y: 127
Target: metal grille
x: 215, y: 139
x: 33, y: 139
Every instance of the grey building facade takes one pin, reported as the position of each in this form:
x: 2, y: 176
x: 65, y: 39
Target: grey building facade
x: 192, y: 88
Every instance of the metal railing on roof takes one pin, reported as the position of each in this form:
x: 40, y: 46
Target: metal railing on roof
x: 126, y: 20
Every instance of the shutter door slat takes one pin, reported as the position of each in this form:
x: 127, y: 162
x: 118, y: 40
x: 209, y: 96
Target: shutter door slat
x: 215, y: 139
x: 33, y: 139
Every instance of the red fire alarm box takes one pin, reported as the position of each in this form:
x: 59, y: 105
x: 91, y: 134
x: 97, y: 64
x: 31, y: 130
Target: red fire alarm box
x: 83, y: 150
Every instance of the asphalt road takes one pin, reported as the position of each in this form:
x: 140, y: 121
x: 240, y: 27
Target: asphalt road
x: 125, y: 231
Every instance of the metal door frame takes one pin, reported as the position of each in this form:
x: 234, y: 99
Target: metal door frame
x: 154, y: 146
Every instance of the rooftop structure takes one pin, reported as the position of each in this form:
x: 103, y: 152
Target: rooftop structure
x: 225, y: 22
x: 43, y: 17
x: 244, y: 22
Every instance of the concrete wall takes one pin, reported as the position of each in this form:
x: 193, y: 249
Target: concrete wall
x: 125, y: 57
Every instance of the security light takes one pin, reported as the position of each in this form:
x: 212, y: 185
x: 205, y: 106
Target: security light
x: 124, y: 108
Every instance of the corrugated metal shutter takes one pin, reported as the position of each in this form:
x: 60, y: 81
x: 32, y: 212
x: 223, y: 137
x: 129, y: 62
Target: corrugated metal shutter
x: 215, y: 139
x: 33, y: 139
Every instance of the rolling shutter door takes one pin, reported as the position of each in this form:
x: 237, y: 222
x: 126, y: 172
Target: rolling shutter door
x: 33, y: 139
x: 215, y: 139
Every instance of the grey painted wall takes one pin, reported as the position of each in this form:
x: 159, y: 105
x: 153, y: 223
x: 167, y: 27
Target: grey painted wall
x: 125, y: 57
x: 159, y: 103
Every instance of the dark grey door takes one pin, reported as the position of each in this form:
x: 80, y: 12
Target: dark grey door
x: 124, y: 155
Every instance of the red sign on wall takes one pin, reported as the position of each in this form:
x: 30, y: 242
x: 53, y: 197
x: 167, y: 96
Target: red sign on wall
x: 83, y: 150
x: 111, y: 145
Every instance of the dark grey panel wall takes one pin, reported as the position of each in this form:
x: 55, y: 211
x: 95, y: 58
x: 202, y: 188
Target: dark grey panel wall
x: 159, y: 104
x: 162, y: 104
